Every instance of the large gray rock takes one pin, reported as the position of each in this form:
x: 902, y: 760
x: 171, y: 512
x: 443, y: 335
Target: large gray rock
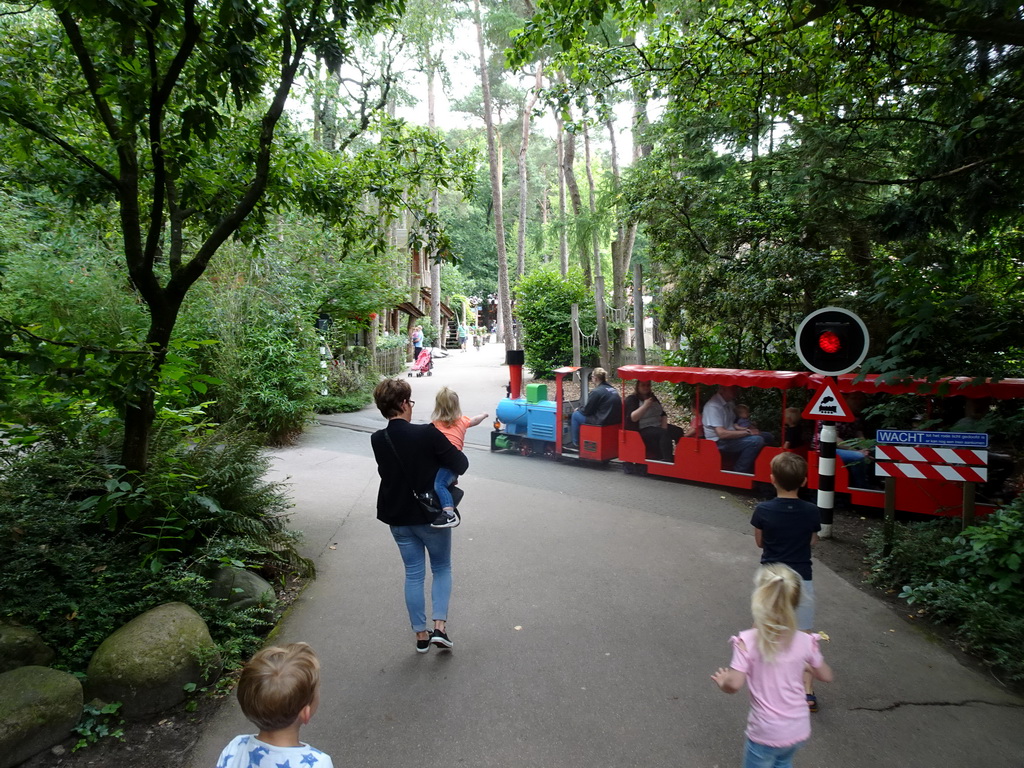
x: 241, y: 588
x: 22, y: 647
x: 147, y: 662
x: 38, y: 708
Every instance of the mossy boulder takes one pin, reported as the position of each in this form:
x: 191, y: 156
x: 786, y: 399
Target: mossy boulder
x: 22, y: 647
x: 147, y: 662
x: 241, y: 588
x: 38, y: 708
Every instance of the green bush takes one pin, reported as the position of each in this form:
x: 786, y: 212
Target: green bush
x: 89, y: 551
x: 346, y: 404
x: 972, y: 581
x: 544, y: 302
x: 270, y: 376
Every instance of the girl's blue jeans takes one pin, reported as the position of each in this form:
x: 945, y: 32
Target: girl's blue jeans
x: 415, y: 542
x: 445, y: 477
x: 763, y: 756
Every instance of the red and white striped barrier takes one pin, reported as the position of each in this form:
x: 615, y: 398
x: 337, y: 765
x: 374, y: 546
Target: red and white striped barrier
x: 927, y: 463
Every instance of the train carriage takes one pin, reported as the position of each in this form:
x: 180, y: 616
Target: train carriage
x: 536, y: 425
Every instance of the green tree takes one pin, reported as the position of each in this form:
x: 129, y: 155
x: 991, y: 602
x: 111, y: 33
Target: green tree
x: 544, y: 302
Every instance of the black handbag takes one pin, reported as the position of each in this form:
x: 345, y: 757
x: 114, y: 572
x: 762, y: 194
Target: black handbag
x: 426, y: 499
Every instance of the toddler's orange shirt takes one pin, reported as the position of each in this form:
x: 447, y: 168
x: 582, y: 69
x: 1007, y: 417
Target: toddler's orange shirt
x: 456, y: 433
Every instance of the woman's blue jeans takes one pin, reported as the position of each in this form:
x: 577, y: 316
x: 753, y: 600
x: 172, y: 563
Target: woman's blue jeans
x: 414, y: 543
x: 762, y: 756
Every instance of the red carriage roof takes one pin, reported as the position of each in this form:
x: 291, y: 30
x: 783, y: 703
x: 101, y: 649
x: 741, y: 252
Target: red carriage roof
x: 964, y: 385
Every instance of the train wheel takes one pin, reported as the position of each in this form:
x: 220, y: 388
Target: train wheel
x: 549, y: 451
x: 525, y: 449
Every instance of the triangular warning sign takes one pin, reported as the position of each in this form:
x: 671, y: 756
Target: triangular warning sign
x: 828, y: 405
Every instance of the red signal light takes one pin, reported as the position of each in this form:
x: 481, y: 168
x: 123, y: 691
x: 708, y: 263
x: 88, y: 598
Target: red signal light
x: 829, y: 342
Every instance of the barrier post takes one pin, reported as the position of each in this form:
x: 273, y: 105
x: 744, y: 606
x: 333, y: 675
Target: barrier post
x: 968, y: 508
x: 889, y: 520
x: 827, y: 476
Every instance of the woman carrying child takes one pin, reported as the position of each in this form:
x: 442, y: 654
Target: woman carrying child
x: 448, y: 418
x: 770, y: 659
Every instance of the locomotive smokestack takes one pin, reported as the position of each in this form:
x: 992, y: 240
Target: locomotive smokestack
x: 514, y: 359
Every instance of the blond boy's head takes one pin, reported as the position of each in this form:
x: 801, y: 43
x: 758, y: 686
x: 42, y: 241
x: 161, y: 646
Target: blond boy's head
x: 277, y: 684
x: 789, y: 471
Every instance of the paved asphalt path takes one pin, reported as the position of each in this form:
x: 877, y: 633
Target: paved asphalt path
x: 589, y: 609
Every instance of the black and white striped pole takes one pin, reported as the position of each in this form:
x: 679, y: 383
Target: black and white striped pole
x: 827, y: 477
x: 830, y: 341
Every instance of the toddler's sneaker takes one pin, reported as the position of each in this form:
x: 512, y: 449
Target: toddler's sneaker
x: 447, y: 519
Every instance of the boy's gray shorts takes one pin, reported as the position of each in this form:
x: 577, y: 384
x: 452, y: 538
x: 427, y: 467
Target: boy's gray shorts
x: 805, y: 609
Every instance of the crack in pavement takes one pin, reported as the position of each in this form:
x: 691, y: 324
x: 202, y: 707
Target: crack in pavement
x: 965, y: 702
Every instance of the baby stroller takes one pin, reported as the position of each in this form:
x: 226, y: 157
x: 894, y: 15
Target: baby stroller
x: 424, y: 363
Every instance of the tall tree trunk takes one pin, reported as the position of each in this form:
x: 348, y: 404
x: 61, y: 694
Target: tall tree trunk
x: 563, y: 235
x: 435, y: 263
x: 568, y: 159
x: 621, y: 248
x: 602, y: 315
x: 531, y: 100
x: 505, y: 330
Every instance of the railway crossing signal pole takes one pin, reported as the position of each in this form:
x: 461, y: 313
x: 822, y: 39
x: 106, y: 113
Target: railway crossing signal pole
x: 830, y: 341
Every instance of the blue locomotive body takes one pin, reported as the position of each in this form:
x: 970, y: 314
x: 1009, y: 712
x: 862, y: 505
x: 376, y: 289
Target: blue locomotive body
x: 533, y: 417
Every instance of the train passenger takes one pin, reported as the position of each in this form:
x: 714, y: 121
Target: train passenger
x: 448, y: 418
x: 604, y: 406
x: 719, y: 419
x: 743, y: 421
x: 645, y: 413
x: 770, y: 659
x: 785, y: 528
x: 849, y: 437
x: 793, y: 437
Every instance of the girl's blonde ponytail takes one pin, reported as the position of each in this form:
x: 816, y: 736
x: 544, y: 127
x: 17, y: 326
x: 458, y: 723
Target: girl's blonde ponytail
x: 773, y: 604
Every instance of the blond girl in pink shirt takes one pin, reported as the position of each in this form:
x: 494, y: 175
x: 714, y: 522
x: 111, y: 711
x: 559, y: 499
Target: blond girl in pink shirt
x: 448, y: 418
x: 771, y: 659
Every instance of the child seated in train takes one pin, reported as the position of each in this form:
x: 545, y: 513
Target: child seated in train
x: 743, y: 421
x: 793, y: 437
x: 448, y: 418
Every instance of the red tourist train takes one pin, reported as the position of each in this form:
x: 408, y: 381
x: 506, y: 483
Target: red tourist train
x: 529, y: 423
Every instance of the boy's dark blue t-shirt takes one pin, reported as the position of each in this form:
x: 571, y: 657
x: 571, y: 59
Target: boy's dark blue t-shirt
x: 786, y: 528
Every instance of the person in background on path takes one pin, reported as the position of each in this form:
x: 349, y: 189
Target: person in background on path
x: 462, y: 337
x: 719, y: 420
x: 279, y: 692
x: 785, y: 528
x: 408, y: 466
x: 770, y: 659
x: 417, y: 341
x: 604, y: 406
x: 448, y: 418
x: 477, y: 338
x: 793, y: 436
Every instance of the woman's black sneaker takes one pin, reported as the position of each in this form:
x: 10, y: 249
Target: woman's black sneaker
x: 440, y: 639
x: 422, y: 646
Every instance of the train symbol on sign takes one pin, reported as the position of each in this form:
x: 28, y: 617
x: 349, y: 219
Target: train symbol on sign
x: 828, y: 404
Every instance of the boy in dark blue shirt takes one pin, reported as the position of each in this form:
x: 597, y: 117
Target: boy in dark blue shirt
x: 785, y: 528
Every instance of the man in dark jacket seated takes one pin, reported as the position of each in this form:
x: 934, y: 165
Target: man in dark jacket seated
x: 604, y: 406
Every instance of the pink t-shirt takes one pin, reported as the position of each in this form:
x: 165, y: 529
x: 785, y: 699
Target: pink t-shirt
x: 456, y: 433
x: 779, y: 716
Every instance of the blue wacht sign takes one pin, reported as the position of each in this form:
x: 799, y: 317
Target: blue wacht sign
x: 915, y: 437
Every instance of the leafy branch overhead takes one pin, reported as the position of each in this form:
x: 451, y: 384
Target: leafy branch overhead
x: 173, y: 114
